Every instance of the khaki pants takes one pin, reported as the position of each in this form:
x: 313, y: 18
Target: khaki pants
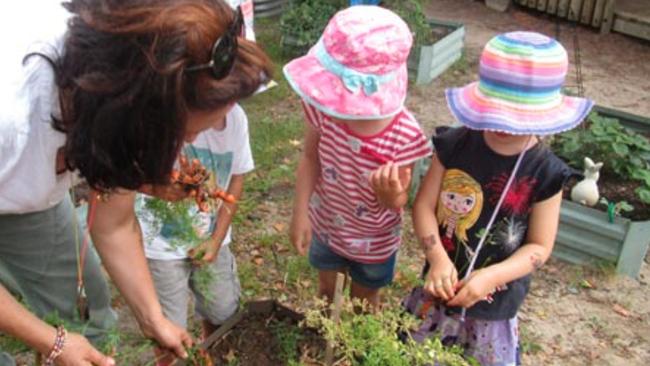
x: 38, y: 264
x: 175, y: 279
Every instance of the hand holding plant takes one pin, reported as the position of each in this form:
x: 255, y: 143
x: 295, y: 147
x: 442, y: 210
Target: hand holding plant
x: 204, y: 253
x: 442, y: 278
x: 479, y: 286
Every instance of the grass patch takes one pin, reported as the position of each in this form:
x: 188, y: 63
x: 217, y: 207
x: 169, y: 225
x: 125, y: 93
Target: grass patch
x: 287, y: 337
x: 250, y: 281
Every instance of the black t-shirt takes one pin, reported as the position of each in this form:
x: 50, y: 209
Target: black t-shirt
x: 474, y: 179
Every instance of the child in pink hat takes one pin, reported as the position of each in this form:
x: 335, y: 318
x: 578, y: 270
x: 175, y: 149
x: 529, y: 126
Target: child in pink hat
x: 360, y: 145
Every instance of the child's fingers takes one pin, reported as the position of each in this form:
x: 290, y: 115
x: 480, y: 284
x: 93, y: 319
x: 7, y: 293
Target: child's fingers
x: 373, y: 178
x: 386, y: 174
x: 405, y: 176
x: 438, y: 287
x: 447, y: 287
x: 459, y: 299
x: 394, y: 177
x: 305, y: 242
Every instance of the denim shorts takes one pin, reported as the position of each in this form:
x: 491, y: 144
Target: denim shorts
x: 374, y: 275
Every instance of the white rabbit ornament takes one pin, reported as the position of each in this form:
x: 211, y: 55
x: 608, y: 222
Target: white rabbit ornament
x: 585, y: 192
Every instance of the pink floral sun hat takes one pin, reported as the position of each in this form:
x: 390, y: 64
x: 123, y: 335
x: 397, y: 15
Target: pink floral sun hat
x: 357, y: 70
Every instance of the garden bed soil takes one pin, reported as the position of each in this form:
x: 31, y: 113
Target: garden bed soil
x: 268, y: 340
x: 616, y: 190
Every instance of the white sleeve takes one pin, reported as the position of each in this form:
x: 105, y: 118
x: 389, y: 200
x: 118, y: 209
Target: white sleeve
x: 243, y: 159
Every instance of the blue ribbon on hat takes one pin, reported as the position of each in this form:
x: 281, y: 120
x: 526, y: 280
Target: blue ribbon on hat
x: 352, y: 79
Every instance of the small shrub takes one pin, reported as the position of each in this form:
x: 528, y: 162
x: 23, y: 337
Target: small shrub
x: 412, y: 13
x: 304, y: 21
x: 371, y: 339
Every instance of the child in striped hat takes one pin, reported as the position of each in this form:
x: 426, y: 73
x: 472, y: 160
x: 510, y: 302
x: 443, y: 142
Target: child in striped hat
x: 488, y: 209
x: 360, y: 145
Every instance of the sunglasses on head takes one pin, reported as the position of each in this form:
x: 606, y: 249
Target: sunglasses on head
x: 224, y: 50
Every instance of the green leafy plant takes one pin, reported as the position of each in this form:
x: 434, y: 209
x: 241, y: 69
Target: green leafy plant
x: 371, y: 339
x: 288, y: 338
x: 412, y: 12
x: 180, y: 224
x: 626, y: 153
x: 615, y: 208
x: 303, y: 23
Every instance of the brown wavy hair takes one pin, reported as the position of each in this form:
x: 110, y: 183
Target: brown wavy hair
x: 123, y: 90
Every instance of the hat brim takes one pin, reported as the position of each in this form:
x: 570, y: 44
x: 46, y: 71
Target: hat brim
x: 326, y: 92
x: 480, y: 112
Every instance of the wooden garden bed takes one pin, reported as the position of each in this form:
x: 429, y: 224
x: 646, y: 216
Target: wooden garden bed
x: 429, y: 61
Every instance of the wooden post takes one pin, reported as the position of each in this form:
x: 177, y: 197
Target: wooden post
x: 608, y: 17
x: 336, y: 315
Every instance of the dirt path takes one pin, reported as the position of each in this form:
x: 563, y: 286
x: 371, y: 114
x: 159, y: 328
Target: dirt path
x: 564, y: 322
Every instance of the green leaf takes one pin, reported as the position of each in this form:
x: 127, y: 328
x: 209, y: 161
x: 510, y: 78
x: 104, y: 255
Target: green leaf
x: 624, y: 206
x: 642, y: 174
x: 620, y: 149
x: 644, y: 194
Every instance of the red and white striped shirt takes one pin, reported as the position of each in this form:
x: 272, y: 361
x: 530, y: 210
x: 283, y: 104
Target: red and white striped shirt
x: 343, y: 209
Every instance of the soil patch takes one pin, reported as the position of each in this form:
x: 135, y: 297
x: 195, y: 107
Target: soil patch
x: 616, y: 190
x: 268, y: 339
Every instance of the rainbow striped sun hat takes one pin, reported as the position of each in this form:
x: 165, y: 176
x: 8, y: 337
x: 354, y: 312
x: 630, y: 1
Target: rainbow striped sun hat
x: 519, y: 88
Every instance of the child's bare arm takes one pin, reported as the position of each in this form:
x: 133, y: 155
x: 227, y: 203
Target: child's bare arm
x: 442, y: 276
x: 306, y: 176
x: 224, y: 219
x: 542, y: 227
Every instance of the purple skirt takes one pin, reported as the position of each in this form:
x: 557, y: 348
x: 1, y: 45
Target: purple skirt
x: 490, y: 342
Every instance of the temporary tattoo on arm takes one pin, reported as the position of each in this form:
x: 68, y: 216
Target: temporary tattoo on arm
x: 427, y: 243
x: 536, y: 261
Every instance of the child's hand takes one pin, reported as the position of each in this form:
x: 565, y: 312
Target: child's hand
x: 442, y: 278
x: 301, y: 233
x: 478, y: 286
x: 389, y: 181
x: 205, y: 252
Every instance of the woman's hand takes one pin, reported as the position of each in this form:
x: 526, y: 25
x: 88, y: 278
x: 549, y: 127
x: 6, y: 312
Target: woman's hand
x: 205, y: 252
x: 442, y: 279
x: 478, y: 287
x: 77, y: 351
x: 301, y: 232
x: 169, y: 336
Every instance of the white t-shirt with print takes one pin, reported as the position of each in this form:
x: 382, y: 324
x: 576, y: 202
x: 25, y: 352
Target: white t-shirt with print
x: 28, y: 99
x: 226, y: 152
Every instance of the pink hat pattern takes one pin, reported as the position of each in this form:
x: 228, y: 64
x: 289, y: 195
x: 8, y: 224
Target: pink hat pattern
x: 358, y: 69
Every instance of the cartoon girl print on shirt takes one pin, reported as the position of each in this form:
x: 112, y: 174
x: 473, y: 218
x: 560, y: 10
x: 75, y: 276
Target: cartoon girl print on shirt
x: 459, y: 207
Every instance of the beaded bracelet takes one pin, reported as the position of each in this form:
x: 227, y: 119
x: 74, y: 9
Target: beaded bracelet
x: 59, y: 343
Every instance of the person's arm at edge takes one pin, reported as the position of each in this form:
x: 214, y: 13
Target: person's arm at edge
x: 118, y: 239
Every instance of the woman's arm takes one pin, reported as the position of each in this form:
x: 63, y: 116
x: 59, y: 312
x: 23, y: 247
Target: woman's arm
x: 16, y: 321
x: 306, y: 177
x: 224, y: 219
x: 442, y: 276
x: 118, y: 239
